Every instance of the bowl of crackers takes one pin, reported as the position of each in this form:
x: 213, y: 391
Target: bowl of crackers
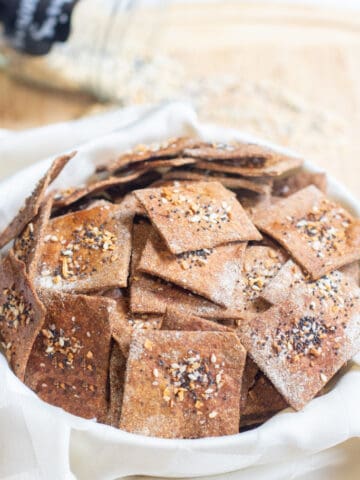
x: 189, y: 289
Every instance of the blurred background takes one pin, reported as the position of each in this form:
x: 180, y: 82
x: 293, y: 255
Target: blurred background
x: 286, y: 71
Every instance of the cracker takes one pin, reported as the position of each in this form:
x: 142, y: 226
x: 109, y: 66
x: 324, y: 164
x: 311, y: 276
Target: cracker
x: 87, y: 250
x: 299, y: 347
x: 116, y: 378
x: 149, y: 295
x: 34, y: 201
x: 248, y: 381
x: 261, y: 264
x: 205, y: 215
x: 170, y: 148
x: 243, y: 158
x: 284, y: 187
x: 329, y: 291
x: 211, y: 273
x: 27, y: 246
x: 183, y: 384
x: 262, y: 185
x: 124, y: 323
x: 263, y: 402
x: 177, y: 320
x: 319, y: 234
x: 69, y: 363
x: 66, y: 197
x: 21, y: 313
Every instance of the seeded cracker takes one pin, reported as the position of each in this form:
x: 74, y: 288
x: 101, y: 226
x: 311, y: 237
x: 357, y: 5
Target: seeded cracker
x: 87, y: 250
x: 34, y: 201
x: 69, y: 363
x: 27, y: 246
x: 183, y: 384
x: 168, y: 149
x: 152, y: 296
x: 333, y: 291
x: 318, y: 233
x: 243, y: 159
x: 261, y: 264
x: 258, y: 185
x: 284, y: 187
x: 211, y: 273
x: 197, y: 215
x: 300, y: 348
x: 21, y: 313
x: 251, y: 370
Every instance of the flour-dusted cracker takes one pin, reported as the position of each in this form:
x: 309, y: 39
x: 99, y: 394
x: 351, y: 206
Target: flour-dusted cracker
x: 174, y: 319
x: 69, y: 363
x: 183, y: 384
x: 21, y: 313
x: 286, y: 186
x: 299, y: 347
x: 330, y: 291
x: 117, y: 370
x: 27, y: 246
x: 212, y: 273
x: 260, y: 266
x: 263, y: 402
x: 258, y: 185
x: 319, y: 234
x: 87, y: 250
x: 149, y: 295
x: 243, y: 158
x: 34, y: 201
x: 196, y: 215
x: 170, y: 148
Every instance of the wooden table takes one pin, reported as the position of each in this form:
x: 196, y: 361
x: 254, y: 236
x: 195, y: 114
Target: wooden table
x: 294, y: 78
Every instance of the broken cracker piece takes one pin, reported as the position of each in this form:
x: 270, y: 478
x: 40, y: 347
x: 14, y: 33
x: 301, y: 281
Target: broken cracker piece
x: 34, y: 201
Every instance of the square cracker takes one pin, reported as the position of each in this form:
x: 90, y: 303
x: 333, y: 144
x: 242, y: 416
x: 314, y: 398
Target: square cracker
x: 321, y: 235
x: 211, y: 273
x: 183, y: 384
x: 196, y: 215
x: 243, y: 158
x: 87, y: 250
x: 152, y: 296
x: 21, y: 313
x: 299, y: 347
x: 69, y: 363
x: 34, y: 201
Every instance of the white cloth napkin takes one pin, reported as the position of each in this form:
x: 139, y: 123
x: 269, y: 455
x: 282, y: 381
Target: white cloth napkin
x: 39, y: 441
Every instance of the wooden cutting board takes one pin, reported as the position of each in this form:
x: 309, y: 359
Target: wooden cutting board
x: 288, y: 74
